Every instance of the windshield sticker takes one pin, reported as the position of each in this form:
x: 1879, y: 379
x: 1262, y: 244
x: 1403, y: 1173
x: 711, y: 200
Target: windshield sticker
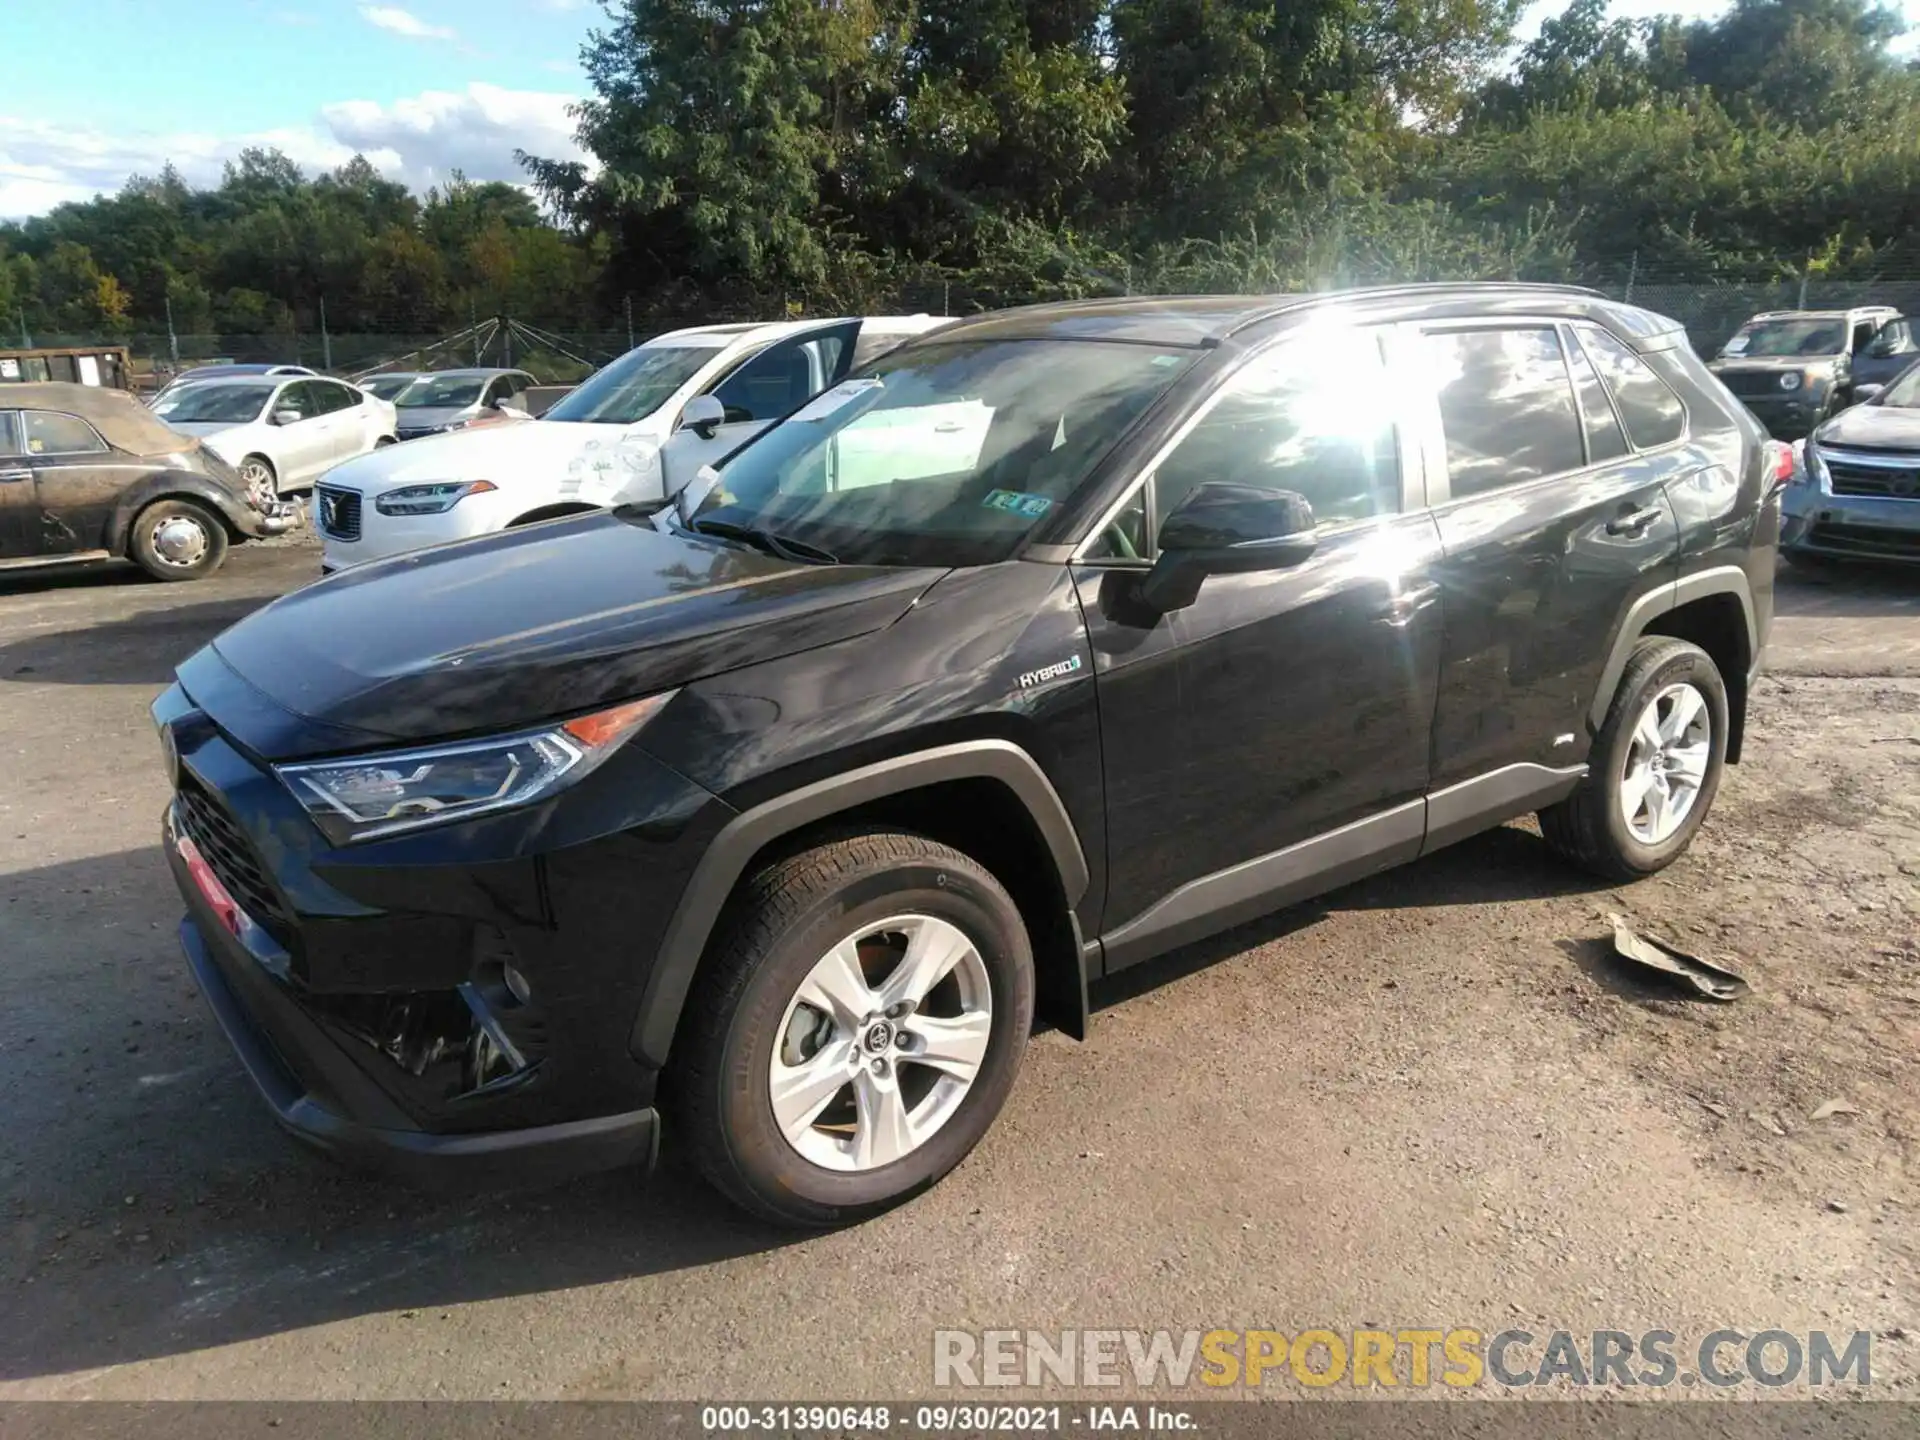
x: 1016, y: 502
x: 1737, y: 345
x: 843, y: 394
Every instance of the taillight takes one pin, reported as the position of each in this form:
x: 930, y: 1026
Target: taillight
x: 1780, y: 464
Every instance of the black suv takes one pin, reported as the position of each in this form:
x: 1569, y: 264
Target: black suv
x: 1049, y: 642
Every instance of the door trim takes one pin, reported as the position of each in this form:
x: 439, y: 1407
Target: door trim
x: 1470, y: 806
x: 1228, y: 897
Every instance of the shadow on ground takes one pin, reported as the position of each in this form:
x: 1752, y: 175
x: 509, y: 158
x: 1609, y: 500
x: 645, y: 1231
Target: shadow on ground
x: 233, y: 1233
x: 134, y: 649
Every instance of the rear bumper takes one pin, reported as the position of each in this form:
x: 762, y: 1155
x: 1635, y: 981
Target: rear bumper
x: 542, y: 1155
x: 276, y: 520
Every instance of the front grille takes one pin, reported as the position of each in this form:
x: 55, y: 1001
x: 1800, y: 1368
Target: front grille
x: 1880, y: 482
x: 1869, y: 540
x: 228, y: 851
x: 1756, y: 385
x: 338, y: 511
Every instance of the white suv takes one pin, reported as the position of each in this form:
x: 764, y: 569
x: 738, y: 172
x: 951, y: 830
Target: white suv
x: 616, y: 440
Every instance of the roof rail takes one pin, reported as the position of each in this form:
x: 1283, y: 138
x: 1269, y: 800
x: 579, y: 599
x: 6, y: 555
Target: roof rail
x: 1423, y: 287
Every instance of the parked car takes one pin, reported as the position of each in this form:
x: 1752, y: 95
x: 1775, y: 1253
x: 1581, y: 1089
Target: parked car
x: 389, y: 385
x: 455, y: 399
x: 1890, y: 351
x: 281, y: 434
x: 1858, y: 494
x: 88, y: 473
x: 812, y: 802
x: 697, y: 393
x: 1794, y: 368
x: 228, y: 371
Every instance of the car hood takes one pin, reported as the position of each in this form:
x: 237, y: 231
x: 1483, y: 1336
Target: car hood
x: 552, y: 620
x: 1873, y: 427
x: 530, y: 450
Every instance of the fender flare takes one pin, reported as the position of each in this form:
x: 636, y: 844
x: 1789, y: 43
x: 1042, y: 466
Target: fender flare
x: 744, y: 836
x: 1662, y: 600
x: 171, y: 485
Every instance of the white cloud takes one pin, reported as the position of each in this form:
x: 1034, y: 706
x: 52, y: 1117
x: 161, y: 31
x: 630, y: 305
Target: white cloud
x: 417, y: 140
x: 403, y: 22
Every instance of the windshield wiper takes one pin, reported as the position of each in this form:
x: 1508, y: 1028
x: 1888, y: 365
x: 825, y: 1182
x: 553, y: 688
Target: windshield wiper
x: 783, y: 546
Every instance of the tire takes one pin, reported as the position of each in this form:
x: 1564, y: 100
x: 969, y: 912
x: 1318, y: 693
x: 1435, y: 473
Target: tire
x: 1592, y: 826
x: 162, y: 540
x: 783, y: 933
x: 260, y: 480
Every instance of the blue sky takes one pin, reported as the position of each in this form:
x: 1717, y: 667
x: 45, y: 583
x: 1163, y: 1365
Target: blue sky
x: 101, y: 89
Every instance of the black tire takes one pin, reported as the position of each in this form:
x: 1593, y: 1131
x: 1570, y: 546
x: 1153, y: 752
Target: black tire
x: 144, y: 551
x: 1590, y: 826
x: 778, y: 926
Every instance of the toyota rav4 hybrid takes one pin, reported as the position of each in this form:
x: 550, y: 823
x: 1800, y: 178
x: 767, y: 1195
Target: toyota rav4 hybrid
x: 1044, y: 644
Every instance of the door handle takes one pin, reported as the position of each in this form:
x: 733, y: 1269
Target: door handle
x: 10, y: 477
x: 1408, y: 603
x: 1633, y: 522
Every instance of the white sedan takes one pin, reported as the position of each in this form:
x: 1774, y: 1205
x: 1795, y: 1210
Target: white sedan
x: 633, y: 433
x: 280, y: 433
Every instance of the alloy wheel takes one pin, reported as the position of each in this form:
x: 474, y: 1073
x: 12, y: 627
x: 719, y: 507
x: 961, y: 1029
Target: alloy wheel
x: 881, y: 1043
x: 1667, y: 761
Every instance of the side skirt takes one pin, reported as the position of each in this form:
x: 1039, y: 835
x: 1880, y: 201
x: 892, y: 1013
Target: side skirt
x: 1233, y: 896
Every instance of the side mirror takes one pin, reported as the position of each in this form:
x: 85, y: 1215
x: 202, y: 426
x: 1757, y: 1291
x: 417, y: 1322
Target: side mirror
x: 703, y: 415
x: 1864, y: 393
x: 287, y: 416
x: 1225, y: 529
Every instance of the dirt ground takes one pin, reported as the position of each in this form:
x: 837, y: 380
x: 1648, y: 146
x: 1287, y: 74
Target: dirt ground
x: 1428, y: 1100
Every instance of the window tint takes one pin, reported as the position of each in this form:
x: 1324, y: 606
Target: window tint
x: 51, y: 433
x: 1653, y: 413
x: 1506, y: 406
x: 333, y: 397
x: 1309, y: 418
x: 1605, y: 440
x: 298, y: 396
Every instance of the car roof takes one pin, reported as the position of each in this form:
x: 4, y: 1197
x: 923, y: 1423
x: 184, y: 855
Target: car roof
x: 1823, y: 314
x: 228, y: 382
x: 125, y: 423
x: 1203, y: 320
x: 472, y: 371
x: 770, y: 330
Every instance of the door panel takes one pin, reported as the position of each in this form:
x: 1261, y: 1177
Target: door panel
x: 1283, y: 706
x: 77, y: 479
x: 306, y: 447
x: 1540, y: 560
x: 19, y: 509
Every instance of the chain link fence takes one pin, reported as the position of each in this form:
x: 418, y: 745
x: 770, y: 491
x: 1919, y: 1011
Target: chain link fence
x: 1710, y: 309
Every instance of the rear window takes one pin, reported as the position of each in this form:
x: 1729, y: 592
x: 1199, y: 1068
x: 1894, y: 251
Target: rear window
x: 1652, y: 413
x: 1506, y: 406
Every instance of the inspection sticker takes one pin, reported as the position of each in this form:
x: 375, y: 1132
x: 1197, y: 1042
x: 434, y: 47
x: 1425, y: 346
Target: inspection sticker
x: 1016, y: 502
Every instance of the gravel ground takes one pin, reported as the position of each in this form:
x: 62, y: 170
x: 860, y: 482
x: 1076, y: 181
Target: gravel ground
x: 1428, y: 1100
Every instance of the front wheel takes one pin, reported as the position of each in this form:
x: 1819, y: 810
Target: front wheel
x: 262, y: 484
x: 857, y: 1027
x: 1654, y: 769
x: 177, y: 540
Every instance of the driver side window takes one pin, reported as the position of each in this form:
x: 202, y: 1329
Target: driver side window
x: 784, y: 376
x: 298, y: 397
x: 1311, y: 417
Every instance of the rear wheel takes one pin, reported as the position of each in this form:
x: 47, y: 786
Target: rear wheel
x: 858, y: 1026
x: 1654, y: 769
x: 177, y: 540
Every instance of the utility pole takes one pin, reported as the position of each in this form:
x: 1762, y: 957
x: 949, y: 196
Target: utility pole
x: 1633, y: 273
x: 173, y: 340
x: 1805, y: 271
x: 326, y: 340
x: 473, y: 315
x: 26, y: 340
x: 506, y: 340
x: 628, y: 300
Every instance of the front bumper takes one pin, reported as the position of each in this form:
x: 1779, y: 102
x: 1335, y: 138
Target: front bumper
x: 455, y: 1006
x: 1789, y: 416
x: 538, y: 1155
x: 380, y: 537
x: 1858, y: 527
x: 277, y: 519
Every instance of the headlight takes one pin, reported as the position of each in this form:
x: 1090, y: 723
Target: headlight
x: 360, y: 797
x: 430, y: 499
x: 1790, y: 381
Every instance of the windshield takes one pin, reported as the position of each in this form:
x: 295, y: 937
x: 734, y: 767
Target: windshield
x: 1789, y: 337
x: 208, y: 404
x: 441, y: 392
x: 1904, y: 392
x: 941, y: 454
x: 385, y: 387
x: 634, y: 386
